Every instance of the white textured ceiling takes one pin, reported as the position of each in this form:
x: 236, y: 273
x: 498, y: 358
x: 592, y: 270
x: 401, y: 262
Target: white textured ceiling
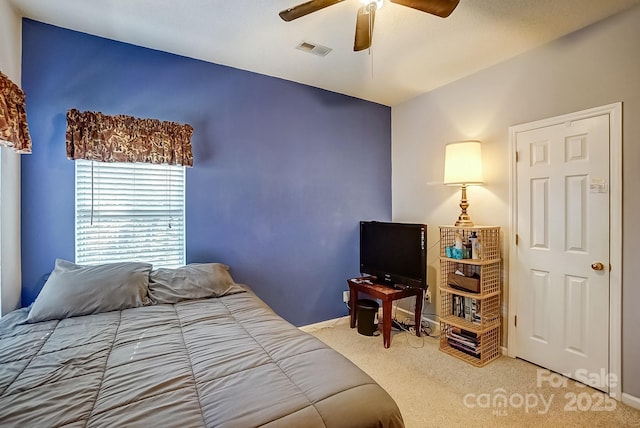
x: 413, y: 52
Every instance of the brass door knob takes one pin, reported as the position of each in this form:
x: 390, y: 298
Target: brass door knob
x: 597, y: 266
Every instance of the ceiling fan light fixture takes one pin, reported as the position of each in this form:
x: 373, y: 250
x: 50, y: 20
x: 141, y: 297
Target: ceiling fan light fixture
x: 378, y: 3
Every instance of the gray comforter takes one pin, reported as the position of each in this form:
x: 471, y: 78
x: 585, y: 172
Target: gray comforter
x: 228, y: 362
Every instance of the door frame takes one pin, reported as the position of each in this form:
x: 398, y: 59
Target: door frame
x: 614, y: 111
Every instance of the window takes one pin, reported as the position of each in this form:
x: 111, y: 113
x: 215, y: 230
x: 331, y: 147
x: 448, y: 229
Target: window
x: 130, y: 212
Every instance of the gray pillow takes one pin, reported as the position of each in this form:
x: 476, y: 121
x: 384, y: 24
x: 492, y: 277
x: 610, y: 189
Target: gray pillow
x: 193, y: 281
x: 74, y: 290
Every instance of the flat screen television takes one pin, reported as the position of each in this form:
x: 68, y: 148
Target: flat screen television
x: 395, y: 253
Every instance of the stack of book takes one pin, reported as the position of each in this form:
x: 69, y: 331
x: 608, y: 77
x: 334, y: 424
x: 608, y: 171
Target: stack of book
x: 464, y: 341
x: 467, y: 308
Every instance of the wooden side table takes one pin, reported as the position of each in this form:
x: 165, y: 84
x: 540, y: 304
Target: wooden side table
x: 387, y: 295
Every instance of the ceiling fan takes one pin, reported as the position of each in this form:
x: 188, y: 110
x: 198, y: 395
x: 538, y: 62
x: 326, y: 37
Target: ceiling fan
x: 367, y: 13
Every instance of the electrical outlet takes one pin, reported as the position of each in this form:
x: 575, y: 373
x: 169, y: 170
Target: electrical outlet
x: 345, y: 296
x: 427, y: 296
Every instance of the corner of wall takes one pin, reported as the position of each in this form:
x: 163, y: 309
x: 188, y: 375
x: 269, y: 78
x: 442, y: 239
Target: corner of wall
x: 10, y: 259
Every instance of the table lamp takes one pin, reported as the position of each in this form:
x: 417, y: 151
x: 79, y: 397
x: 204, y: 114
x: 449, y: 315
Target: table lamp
x: 463, y: 167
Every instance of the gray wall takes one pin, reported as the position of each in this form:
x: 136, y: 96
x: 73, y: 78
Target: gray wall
x: 595, y: 66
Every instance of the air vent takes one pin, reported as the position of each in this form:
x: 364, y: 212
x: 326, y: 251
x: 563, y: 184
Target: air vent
x: 314, y: 49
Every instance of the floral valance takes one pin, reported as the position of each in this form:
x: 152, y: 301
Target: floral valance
x: 99, y: 137
x: 14, y: 132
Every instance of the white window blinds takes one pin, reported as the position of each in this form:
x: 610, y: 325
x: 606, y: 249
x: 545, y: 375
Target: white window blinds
x: 130, y: 212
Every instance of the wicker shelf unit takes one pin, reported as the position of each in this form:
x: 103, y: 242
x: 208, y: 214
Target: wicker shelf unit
x: 470, y: 320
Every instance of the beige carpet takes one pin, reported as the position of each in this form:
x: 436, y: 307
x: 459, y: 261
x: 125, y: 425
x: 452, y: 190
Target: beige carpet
x: 433, y: 389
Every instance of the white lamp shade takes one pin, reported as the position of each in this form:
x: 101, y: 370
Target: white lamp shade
x: 463, y: 163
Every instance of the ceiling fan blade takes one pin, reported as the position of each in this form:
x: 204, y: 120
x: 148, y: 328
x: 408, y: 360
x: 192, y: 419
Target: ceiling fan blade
x: 441, y: 8
x: 306, y: 8
x: 364, y: 27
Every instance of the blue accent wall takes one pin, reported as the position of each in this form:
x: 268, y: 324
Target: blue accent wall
x: 282, y: 175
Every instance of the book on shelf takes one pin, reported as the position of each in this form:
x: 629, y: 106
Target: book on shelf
x: 466, y: 307
x: 463, y: 340
x: 469, y: 351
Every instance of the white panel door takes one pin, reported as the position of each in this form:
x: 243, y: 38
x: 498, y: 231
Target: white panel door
x: 562, y: 175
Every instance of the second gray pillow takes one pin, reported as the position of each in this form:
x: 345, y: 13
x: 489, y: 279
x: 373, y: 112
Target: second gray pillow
x: 193, y: 281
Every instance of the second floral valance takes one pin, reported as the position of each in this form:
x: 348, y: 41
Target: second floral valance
x: 99, y: 137
x: 14, y: 131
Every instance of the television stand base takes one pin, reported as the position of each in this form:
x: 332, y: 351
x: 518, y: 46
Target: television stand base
x: 387, y: 295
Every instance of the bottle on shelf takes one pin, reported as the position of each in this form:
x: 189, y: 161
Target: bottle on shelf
x: 473, y: 243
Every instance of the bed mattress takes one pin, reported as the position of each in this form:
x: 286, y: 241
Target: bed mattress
x: 217, y: 362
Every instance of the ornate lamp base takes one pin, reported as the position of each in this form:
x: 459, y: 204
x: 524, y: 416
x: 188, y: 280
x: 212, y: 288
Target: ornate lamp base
x: 463, y: 219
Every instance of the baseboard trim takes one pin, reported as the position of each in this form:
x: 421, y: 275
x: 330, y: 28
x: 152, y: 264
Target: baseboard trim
x: 630, y: 400
x: 310, y: 328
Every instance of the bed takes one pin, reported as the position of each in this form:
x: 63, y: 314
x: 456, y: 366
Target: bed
x: 225, y: 360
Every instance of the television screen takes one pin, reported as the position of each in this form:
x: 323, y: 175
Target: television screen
x: 395, y: 253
